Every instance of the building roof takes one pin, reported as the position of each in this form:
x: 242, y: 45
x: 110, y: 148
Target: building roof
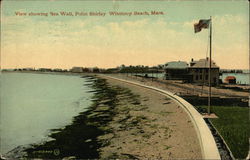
x: 176, y: 65
x: 202, y: 63
x: 230, y: 78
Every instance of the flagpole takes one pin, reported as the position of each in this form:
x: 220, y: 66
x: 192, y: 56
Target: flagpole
x: 210, y: 63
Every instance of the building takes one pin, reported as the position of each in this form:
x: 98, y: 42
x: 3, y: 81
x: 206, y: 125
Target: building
x: 57, y: 70
x: 77, y: 69
x: 45, y: 70
x: 176, y: 70
x: 230, y: 80
x: 199, y: 70
x: 27, y: 69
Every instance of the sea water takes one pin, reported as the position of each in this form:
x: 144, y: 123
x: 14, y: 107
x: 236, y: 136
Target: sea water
x: 32, y: 104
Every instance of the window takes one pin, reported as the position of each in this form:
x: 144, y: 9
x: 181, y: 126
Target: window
x: 200, y: 76
x: 206, y: 77
x: 196, y: 77
x: 215, y: 80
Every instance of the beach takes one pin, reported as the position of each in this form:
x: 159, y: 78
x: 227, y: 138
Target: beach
x: 123, y: 121
x: 155, y: 127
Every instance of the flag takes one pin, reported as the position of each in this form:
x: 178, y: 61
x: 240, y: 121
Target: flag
x: 203, y: 23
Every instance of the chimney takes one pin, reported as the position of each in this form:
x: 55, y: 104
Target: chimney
x: 192, y: 62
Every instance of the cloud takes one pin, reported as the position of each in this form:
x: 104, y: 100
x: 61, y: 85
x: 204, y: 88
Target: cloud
x: 109, y: 43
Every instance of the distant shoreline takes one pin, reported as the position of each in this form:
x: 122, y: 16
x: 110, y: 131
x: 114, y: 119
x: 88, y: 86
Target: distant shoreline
x: 234, y: 90
x: 52, y: 73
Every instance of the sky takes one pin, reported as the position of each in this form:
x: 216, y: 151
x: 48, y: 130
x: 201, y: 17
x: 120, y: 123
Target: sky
x: 109, y: 41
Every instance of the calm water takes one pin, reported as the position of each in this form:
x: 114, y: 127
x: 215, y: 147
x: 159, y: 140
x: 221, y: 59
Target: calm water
x: 32, y: 104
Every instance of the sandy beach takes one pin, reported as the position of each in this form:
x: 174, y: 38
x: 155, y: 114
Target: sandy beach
x: 155, y: 127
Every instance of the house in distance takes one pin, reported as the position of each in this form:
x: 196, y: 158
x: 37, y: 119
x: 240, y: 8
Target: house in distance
x: 200, y: 71
x: 77, y: 69
x: 176, y: 70
x: 195, y: 72
x: 230, y: 80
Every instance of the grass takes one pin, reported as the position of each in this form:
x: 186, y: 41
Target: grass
x: 234, y: 126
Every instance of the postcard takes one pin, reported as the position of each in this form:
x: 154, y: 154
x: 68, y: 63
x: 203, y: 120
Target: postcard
x: 124, y: 79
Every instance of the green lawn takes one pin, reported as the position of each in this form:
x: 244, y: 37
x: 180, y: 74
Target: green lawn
x: 234, y: 125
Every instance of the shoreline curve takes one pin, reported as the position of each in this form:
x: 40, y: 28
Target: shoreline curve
x: 207, y: 143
